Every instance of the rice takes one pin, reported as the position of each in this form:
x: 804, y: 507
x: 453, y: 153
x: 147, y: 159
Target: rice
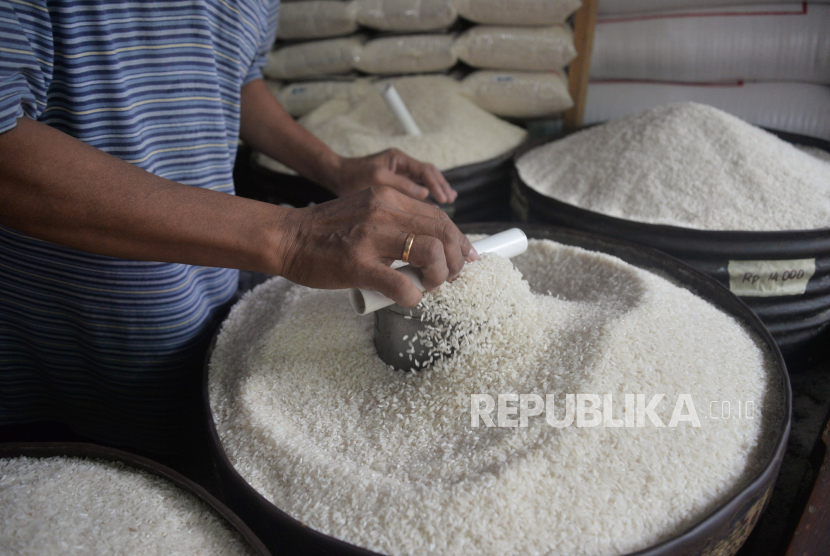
x: 688, y: 165
x: 68, y: 505
x: 456, y: 132
x: 390, y: 461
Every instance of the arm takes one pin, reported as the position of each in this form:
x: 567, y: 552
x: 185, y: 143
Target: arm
x: 267, y: 127
x: 59, y: 189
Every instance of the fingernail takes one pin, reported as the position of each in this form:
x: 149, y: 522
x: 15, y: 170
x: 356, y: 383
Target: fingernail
x: 474, y: 254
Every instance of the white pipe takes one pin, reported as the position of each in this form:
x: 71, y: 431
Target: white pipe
x: 508, y: 243
x: 396, y: 105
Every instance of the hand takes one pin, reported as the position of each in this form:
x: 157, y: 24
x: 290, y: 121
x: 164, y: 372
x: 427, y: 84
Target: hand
x: 268, y: 128
x: 350, y: 243
x: 394, y: 169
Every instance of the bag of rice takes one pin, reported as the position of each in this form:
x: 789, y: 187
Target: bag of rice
x: 749, y: 43
x: 616, y: 7
x: 407, y: 54
x: 299, y: 99
x: 313, y: 59
x: 519, y: 94
x: 406, y: 15
x: 517, y: 12
x: 517, y: 48
x: 316, y: 19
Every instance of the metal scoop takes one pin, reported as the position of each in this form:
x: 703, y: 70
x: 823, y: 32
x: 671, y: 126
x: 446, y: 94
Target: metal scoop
x: 396, y: 338
x: 396, y: 326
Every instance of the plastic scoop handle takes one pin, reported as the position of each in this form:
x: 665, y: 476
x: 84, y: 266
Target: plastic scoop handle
x: 508, y: 243
x: 402, y: 113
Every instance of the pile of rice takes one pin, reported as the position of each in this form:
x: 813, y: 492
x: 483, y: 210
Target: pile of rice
x: 388, y: 460
x: 687, y: 165
x: 456, y: 132
x: 67, y: 505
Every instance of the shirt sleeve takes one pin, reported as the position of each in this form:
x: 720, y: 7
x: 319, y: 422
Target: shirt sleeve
x: 269, y: 35
x: 26, y: 57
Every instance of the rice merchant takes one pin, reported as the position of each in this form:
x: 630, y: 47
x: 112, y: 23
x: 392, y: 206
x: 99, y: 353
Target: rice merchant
x: 119, y: 232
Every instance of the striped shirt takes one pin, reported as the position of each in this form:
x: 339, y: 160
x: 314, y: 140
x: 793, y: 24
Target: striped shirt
x: 108, y: 346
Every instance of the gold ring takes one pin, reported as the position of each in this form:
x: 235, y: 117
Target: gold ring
x: 406, y: 247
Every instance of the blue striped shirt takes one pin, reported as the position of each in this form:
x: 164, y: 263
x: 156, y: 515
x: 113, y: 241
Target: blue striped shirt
x: 110, y: 346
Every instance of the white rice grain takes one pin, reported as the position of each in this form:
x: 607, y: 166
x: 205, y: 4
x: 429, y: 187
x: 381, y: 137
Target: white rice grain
x: 456, y: 132
x: 388, y: 460
x: 687, y: 165
x: 75, y: 506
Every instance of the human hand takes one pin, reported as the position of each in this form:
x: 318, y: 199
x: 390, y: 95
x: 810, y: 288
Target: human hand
x: 394, y: 169
x: 350, y: 243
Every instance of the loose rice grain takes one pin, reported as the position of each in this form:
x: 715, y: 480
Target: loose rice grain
x: 77, y: 506
x: 388, y: 460
x: 688, y: 165
x: 456, y: 132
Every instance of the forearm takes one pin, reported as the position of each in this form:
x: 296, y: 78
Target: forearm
x: 268, y: 128
x: 56, y: 188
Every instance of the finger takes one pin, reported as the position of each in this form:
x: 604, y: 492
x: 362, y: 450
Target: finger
x: 403, y: 184
x: 446, y: 235
x: 446, y: 226
x: 435, y: 176
x: 411, y: 209
x: 425, y: 174
x: 428, y: 175
x: 438, y: 186
x: 466, y: 246
x: 393, y: 285
x: 427, y: 254
x: 406, y: 203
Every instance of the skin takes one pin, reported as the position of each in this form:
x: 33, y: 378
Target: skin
x: 59, y: 189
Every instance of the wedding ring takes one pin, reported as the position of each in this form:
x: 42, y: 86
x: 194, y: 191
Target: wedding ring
x: 406, y: 247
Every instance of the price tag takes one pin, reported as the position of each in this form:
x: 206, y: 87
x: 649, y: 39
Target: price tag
x: 770, y: 278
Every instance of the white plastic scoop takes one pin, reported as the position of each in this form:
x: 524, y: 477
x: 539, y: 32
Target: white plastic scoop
x: 508, y: 243
x: 396, y: 105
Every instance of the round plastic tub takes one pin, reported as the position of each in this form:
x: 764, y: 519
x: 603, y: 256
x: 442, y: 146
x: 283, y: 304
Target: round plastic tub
x: 94, y: 451
x: 483, y: 188
x: 742, y: 261
x: 722, y: 532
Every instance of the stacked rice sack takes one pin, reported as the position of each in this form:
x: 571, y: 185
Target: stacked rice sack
x: 518, y: 48
x: 767, y: 64
x: 340, y: 50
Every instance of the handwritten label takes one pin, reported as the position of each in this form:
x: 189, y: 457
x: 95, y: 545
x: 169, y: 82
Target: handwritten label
x: 770, y: 278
